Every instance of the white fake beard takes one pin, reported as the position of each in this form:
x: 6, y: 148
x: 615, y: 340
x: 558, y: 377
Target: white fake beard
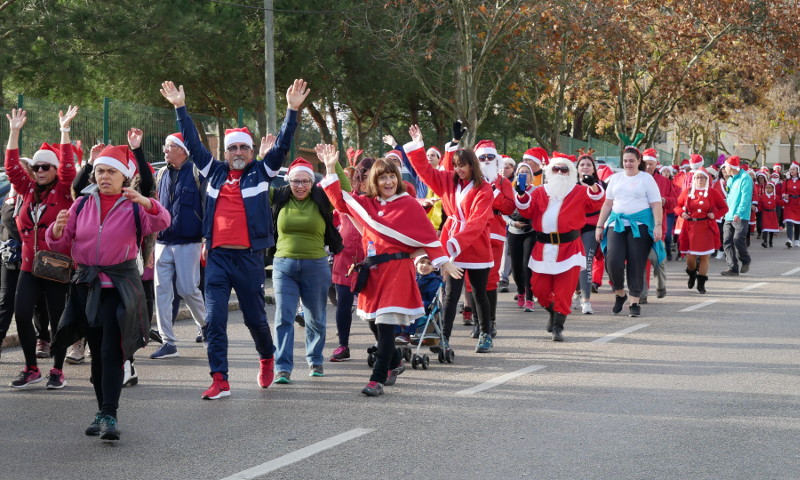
x: 239, y: 164
x: 558, y: 186
x: 490, y: 171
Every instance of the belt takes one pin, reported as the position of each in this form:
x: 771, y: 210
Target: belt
x: 696, y: 219
x: 385, y: 257
x: 768, y: 210
x: 556, y: 237
x: 794, y: 196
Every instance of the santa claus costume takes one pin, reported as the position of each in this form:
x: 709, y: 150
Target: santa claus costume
x: 768, y: 203
x: 790, y: 193
x: 395, y: 226
x: 467, y: 200
x: 558, y: 212
x: 700, y: 207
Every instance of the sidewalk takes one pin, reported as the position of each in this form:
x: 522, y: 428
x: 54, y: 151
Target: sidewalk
x: 12, y: 340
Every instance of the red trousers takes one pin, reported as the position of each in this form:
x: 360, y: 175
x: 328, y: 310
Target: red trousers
x: 556, y: 289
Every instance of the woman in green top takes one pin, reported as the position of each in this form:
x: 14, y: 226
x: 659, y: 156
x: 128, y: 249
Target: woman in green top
x: 303, y: 228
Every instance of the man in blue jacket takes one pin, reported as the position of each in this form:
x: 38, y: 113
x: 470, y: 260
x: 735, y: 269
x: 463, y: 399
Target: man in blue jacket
x: 237, y: 226
x: 736, y: 227
x: 177, y: 252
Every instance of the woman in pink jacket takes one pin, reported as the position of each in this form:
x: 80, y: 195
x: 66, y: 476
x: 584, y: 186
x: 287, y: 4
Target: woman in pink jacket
x: 106, y: 300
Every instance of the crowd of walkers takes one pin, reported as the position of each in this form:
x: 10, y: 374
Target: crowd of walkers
x: 99, y: 253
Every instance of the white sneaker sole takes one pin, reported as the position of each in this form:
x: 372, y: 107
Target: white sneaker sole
x: 57, y: 387
x: 27, y: 384
x: 226, y: 393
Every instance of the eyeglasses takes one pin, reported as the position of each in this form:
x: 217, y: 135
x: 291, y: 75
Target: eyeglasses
x: 560, y: 169
x: 483, y: 158
x: 169, y: 146
x: 44, y: 168
x: 234, y: 148
x: 299, y: 183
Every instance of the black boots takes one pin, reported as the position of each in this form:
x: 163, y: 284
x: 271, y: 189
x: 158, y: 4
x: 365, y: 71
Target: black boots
x: 692, y: 277
x: 558, y: 326
x: 550, y: 320
x: 701, y: 283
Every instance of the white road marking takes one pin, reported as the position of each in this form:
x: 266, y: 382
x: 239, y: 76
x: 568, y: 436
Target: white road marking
x: 791, y: 272
x: 616, y: 335
x: 298, y: 455
x: 699, y: 306
x: 753, y: 286
x: 500, y: 380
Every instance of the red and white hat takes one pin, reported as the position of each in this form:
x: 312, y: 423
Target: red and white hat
x: 650, y: 154
x: 434, y: 150
x: 485, y: 147
x: 712, y: 170
x: 664, y: 169
x: 45, y: 154
x: 734, y: 162
x: 696, y: 161
x: 777, y: 167
x: 700, y: 171
x: 794, y: 165
x: 394, y: 153
x: 508, y: 161
x: 562, y: 157
x: 177, y: 139
x: 238, y: 135
x: 117, y: 157
x: 775, y: 176
x: 536, y: 154
x: 300, y: 165
x: 772, y: 184
x: 685, y: 164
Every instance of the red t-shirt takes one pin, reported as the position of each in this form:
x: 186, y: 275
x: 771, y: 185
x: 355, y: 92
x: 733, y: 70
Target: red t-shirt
x: 230, y: 222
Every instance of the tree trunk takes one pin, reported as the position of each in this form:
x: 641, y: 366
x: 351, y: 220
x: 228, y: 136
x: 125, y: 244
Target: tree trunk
x: 792, y: 138
x: 319, y: 121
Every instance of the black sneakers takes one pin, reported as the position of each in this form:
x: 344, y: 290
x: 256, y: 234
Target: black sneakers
x: 108, y: 428
x: 634, y: 310
x: 94, y: 428
x: 618, y: 303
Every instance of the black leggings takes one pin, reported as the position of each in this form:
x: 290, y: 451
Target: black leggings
x: 478, y: 278
x: 8, y: 289
x: 388, y: 356
x: 792, y: 231
x: 519, y: 248
x: 344, y: 313
x: 105, y: 344
x: 29, y: 290
x: 626, y: 257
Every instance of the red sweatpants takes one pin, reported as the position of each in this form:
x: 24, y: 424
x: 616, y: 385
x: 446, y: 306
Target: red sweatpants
x: 555, y: 289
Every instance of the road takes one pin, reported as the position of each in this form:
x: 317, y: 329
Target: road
x: 707, y: 393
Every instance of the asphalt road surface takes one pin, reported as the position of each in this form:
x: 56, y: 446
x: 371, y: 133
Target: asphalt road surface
x: 698, y: 387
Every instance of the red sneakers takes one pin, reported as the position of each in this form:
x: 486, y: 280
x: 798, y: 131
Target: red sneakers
x: 218, y: 389
x: 266, y: 372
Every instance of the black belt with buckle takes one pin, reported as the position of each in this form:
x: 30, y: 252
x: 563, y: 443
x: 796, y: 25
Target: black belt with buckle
x: 768, y: 210
x: 697, y: 219
x: 556, y: 237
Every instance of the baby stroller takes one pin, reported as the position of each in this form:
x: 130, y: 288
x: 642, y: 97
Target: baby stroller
x: 429, y: 334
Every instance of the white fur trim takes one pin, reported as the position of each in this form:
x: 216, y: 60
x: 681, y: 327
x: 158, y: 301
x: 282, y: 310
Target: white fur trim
x: 364, y: 218
x: 532, y: 158
x: 648, y: 157
x: 520, y: 205
x: 486, y: 151
x: 238, y: 137
x: 177, y: 141
x: 450, y: 147
x: 329, y: 179
x: 301, y: 168
x: 114, y: 163
x: 453, y: 248
x: 411, y: 146
x: 553, y: 268
x: 474, y: 265
x: 45, y: 156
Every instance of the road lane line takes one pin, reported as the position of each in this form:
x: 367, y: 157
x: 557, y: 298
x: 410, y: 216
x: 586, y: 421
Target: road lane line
x: 616, y: 335
x: 791, y: 272
x: 753, y: 286
x: 298, y: 455
x: 500, y: 380
x: 699, y: 306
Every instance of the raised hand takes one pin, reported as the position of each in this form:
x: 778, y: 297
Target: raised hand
x: 416, y: 133
x: 95, y: 152
x: 135, y: 138
x: 389, y: 140
x: 297, y: 94
x: 266, y: 145
x: 458, y: 130
x: 17, y: 118
x: 328, y: 156
x: 174, y: 95
x: 64, y: 119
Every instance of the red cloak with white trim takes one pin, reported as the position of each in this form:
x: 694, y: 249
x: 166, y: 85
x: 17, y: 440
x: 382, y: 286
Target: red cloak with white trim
x: 700, y: 237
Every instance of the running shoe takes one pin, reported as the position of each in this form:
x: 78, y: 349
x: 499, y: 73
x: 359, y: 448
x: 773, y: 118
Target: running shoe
x: 130, y: 378
x: 341, y: 354
x: 283, y: 378
x: 42, y: 349
x: 28, y: 376
x: 373, y: 389
x: 619, y: 302
x: 56, y: 379
x: 266, y: 372
x: 165, y: 351
x: 219, y: 388
x: 484, y: 343
x: 94, y: 428
x: 108, y: 428
x: 529, y: 305
x: 586, y: 308
x: 315, y: 371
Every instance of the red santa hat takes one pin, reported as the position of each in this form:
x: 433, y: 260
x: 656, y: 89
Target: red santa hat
x: 700, y: 171
x: 555, y: 155
x: 775, y: 176
x: 394, y: 153
x: 734, y: 162
x: 777, y: 167
x: 746, y: 167
x: 696, y: 161
x: 604, y: 171
x: 712, y: 171
x: 650, y: 154
x: 485, y: 147
x: 509, y: 161
x: 794, y: 165
x: 116, y: 157
x: 685, y: 164
x: 46, y: 154
x: 434, y: 150
x: 177, y: 139
x: 761, y: 173
x: 769, y: 184
x: 664, y: 169
x: 536, y: 154
x: 300, y: 165
x: 238, y: 135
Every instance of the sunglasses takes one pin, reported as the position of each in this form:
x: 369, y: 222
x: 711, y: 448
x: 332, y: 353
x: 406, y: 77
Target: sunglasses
x: 44, y: 168
x: 561, y: 169
x: 486, y: 157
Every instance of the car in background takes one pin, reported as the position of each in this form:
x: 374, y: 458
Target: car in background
x: 5, y: 184
x: 611, y: 162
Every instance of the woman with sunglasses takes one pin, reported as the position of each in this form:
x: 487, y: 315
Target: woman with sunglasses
x: 467, y: 200
x: 629, y: 222
x: 44, y: 195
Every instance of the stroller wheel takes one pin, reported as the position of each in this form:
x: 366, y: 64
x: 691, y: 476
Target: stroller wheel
x: 407, y: 354
x: 426, y: 361
x: 451, y: 356
x: 415, y: 361
x: 372, y: 349
x: 441, y: 356
x: 371, y: 359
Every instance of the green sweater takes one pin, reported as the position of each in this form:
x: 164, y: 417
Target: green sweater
x: 301, y: 228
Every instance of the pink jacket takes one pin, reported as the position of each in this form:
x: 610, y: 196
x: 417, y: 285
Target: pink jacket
x: 91, y: 243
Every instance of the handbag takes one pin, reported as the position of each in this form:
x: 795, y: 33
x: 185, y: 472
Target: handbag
x: 50, y: 265
x: 362, y: 269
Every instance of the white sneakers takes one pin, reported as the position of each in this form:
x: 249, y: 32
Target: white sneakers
x: 586, y: 308
x: 797, y: 243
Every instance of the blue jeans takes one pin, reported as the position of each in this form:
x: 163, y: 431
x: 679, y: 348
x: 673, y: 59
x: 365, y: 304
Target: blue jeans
x: 306, y: 280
